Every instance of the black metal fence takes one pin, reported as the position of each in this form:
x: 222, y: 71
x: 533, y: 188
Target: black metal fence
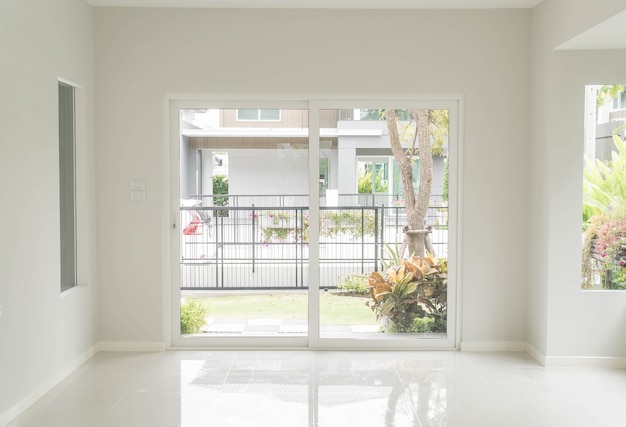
x: 267, y: 247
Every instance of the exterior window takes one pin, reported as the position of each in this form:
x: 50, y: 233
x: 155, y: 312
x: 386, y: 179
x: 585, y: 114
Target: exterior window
x: 258, y: 114
x: 67, y: 185
x: 604, y: 193
x: 619, y: 102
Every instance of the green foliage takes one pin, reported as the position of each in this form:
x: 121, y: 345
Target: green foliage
x: 604, y: 245
x: 192, y: 316
x: 419, y: 325
x: 392, y: 256
x: 604, y: 218
x: 364, y: 182
x: 273, y: 234
x: 617, y: 275
x: 607, y: 93
x: 332, y: 223
x: 220, y: 186
x: 446, y: 175
x: 603, y: 183
x: 353, y: 283
x: 379, y: 186
x: 439, y: 125
x: 416, y: 288
x: 365, y: 185
x: 352, y: 223
x: 380, y: 114
x: 281, y: 226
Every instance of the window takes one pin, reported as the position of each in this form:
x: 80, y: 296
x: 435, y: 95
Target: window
x: 619, y: 102
x: 258, y: 114
x: 67, y: 185
x: 604, y: 193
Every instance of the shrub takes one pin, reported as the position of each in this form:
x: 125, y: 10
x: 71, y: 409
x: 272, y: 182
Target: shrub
x: 417, y: 288
x: 419, y: 325
x: 367, y: 185
x: 353, y: 283
x: 220, y: 186
x: 333, y: 223
x: 192, y: 316
x: 352, y: 223
x: 364, y: 182
x: 603, y: 184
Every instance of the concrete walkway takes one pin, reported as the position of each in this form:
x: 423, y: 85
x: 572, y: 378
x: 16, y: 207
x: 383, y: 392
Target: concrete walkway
x: 273, y: 327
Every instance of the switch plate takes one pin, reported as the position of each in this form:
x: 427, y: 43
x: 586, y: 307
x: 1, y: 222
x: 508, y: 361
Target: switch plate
x: 137, y: 184
x: 137, y: 195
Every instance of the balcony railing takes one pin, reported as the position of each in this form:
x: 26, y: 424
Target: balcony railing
x: 265, y: 244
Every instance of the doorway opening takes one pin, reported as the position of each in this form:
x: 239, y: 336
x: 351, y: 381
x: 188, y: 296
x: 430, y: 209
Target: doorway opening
x: 279, y: 243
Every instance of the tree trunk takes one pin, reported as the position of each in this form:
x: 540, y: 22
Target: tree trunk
x: 416, y: 209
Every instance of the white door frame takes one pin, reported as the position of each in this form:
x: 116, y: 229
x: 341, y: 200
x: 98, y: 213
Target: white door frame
x: 171, y: 244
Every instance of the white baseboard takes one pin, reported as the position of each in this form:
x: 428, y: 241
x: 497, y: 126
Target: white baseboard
x: 45, y: 387
x: 536, y: 354
x: 493, y: 346
x: 542, y: 359
x: 131, y: 346
x: 586, y: 362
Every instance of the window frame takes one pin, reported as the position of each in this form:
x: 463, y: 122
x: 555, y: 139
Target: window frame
x: 68, y: 242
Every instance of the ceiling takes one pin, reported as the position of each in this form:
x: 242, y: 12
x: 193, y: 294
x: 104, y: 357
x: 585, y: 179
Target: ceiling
x: 325, y: 4
x: 610, y: 34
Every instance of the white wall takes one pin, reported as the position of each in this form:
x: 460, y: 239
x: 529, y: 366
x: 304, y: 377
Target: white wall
x: 268, y: 171
x: 563, y: 321
x: 146, y: 53
x: 43, y: 333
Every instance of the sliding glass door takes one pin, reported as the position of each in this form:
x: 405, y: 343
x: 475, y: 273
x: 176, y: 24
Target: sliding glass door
x: 320, y: 224
x: 384, y: 225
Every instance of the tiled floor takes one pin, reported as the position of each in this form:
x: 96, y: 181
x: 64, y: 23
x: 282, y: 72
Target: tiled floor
x: 307, y: 388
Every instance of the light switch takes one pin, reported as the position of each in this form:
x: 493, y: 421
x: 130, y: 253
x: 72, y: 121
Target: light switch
x: 137, y: 188
x: 137, y: 184
x: 137, y: 195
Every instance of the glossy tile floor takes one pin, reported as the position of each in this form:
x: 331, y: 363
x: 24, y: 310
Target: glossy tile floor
x: 306, y: 388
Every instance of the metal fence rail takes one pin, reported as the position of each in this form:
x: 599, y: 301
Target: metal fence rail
x: 237, y: 247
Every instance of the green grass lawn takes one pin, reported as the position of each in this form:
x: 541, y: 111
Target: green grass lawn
x: 335, y: 308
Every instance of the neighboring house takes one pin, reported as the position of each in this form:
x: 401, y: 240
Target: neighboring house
x: 608, y: 117
x: 266, y: 152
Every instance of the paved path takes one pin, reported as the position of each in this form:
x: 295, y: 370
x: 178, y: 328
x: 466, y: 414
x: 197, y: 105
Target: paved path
x: 266, y: 327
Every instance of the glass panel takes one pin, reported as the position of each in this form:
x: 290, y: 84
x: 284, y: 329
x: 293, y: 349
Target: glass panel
x: 272, y: 114
x: 323, y: 176
x: 244, y: 240
x: 604, y: 192
x: 67, y: 186
x: 369, y: 288
x: 247, y: 114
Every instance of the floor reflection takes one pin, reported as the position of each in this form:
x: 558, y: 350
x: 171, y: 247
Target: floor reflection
x: 300, y: 389
x: 328, y: 389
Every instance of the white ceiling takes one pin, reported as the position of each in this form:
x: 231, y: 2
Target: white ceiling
x: 610, y: 34
x: 326, y: 4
